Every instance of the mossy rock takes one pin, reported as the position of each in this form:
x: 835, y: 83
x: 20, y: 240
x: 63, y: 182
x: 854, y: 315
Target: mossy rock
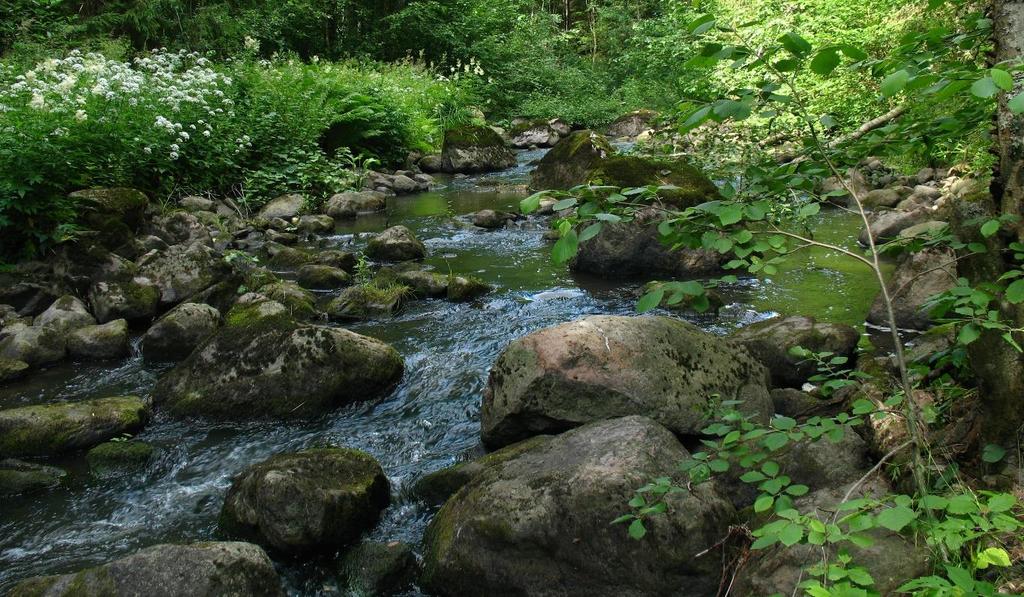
x: 12, y: 369
x: 50, y: 429
x: 474, y: 148
x: 322, y: 277
x: 466, y: 288
x: 116, y: 456
x: 23, y: 478
x: 115, y: 214
x: 290, y: 258
x: 375, y: 300
x: 373, y: 569
x: 263, y: 363
x: 312, y: 500
x: 299, y: 302
x: 472, y: 136
x: 571, y: 161
x: 682, y: 185
x: 435, y: 488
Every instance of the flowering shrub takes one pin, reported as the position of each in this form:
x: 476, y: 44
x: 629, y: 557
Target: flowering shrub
x: 173, y: 122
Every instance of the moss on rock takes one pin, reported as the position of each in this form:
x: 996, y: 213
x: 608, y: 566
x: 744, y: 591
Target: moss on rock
x: 119, y: 455
x: 682, y: 184
x: 49, y: 429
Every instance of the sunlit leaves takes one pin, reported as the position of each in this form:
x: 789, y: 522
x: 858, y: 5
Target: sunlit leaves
x: 795, y: 44
x: 825, y: 61
x: 895, y: 82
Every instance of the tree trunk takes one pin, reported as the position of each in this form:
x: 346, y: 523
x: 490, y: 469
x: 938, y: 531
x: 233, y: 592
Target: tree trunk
x: 998, y: 366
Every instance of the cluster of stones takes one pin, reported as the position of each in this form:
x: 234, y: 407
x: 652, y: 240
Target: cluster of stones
x: 904, y: 209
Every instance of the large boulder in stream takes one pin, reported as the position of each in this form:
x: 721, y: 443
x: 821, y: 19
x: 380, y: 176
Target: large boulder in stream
x: 314, y: 500
x: 632, y: 124
x: 133, y: 298
x: 681, y: 185
x: 538, y: 523
x: 635, y: 250
x: 473, y: 148
x: 50, y: 429
x: 285, y: 206
x: 397, y: 243
x: 65, y: 315
x: 97, y: 342
x: 537, y: 133
x: 570, y: 162
x: 351, y: 204
x: 603, y: 367
x: 918, y: 277
x: 34, y: 345
x: 263, y: 363
x: 771, y: 340
x: 213, y: 569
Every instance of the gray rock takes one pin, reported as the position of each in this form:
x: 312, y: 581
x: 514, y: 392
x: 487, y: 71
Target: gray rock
x: 432, y: 164
x: 112, y: 215
x: 397, y: 243
x: 602, y: 367
x: 213, y: 569
x: 18, y: 477
x: 918, y: 277
x: 538, y: 523
x: 175, y: 335
x: 877, y: 198
x: 403, y: 185
x: 472, y: 148
x: 11, y: 369
x: 770, y: 341
x: 285, y: 206
x: 570, y: 162
x: 322, y: 277
x: 33, y: 345
x: 488, y: 218
x: 313, y: 500
x: 378, y: 568
x: 887, y: 225
x: 535, y: 133
x: 50, y: 429
x: 634, y: 250
x: 319, y: 224
x: 351, y: 204
x: 106, y: 341
x: 135, y: 299
x: 924, y: 229
x: 340, y: 259
x: 66, y: 314
x: 181, y: 272
x: 181, y: 228
x: 196, y: 203
x: 632, y: 124
x: 262, y: 363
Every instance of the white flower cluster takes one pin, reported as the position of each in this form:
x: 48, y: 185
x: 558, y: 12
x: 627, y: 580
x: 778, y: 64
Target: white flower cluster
x: 180, y: 88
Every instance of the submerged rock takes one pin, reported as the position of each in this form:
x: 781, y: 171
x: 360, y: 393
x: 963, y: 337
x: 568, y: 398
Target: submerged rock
x: 378, y: 568
x: 313, y: 500
x: 213, y: 569
x: 49, y: 429
x: 918, y: 277
x: 466, y: 288
x: 106, y: 341
x: 175, y: 335
x: 18, y: 477
x: 473, y: 148
x: 538, y: 523
x: 397, y: 243
x: 262, y: 363
x: 119, y: 456
x: 770, y: 341
x: 603, y: 367
x: 570, y: 162
x: 634, y: 250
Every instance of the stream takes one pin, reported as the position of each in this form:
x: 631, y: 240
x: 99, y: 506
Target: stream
x: 428, y: 422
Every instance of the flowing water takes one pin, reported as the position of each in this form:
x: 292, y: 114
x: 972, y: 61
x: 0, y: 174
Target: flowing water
x: 428, y: 422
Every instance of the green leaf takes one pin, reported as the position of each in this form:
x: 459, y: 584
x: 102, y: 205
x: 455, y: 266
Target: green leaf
x: 992, y: 452
x: 1002, y: 79
x: 730, y: 214
x: 968, y: 334
x: 960, y: 577
x: 764, y: 503
x: 791, y: 534
x: 650, y: 300
x: 1015, y: 291
x: 993, y: 556
x: 825, y: 62
x: 637, y: 530
x: 590, y: 231
x: 896, y: 518
x: 797, y: 490
x: 796, y: 45
x: 565, y: 248
x: 1016, y: 105
x: 984, y: 87
x: 808, y: 210
x: 860, y: 576
x: 990, y: 227
x: 895, y: 82
x: 564, y: 204
x: 962, y: 504
x: 1001, y: 502
x: 531, y: 203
